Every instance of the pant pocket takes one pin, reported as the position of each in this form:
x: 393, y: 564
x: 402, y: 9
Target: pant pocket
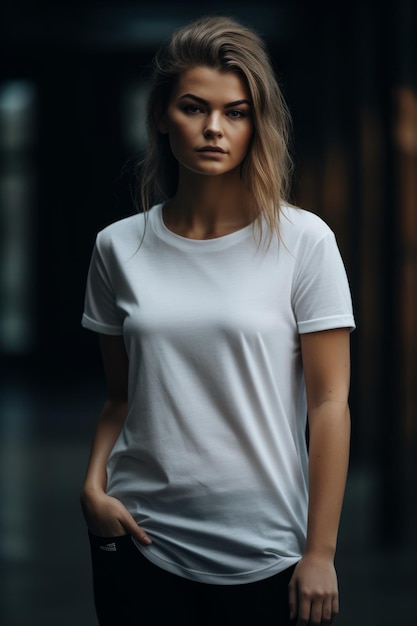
x: 113, y: 565
x: 98, y: 541
x: 110, y: 549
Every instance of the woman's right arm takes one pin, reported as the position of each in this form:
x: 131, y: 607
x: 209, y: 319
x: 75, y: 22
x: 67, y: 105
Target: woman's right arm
x: 106, y: 516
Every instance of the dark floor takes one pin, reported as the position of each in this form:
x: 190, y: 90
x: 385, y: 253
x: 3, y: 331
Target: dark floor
x: 45, y: 577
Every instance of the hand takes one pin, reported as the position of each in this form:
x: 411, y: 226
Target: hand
x: 108, y: 517
x: 313, y: 592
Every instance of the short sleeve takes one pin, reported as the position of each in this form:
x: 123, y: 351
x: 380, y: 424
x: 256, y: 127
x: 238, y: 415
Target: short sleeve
x: 321, y: 294
x: 100, y: 310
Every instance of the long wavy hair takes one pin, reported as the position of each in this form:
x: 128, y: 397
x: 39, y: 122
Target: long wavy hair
x: 223, y: 44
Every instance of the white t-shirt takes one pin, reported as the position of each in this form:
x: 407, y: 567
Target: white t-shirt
x: 212, y: 459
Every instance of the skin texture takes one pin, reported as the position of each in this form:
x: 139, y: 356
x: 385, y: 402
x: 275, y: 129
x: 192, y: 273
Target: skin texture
x: 211, y: 201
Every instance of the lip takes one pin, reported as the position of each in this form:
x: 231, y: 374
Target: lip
x: 211, y: 149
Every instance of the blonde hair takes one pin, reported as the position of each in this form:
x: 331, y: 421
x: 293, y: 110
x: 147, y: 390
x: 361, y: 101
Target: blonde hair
x: 224, y: 44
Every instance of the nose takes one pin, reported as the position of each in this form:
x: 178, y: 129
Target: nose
x: 213, y: 126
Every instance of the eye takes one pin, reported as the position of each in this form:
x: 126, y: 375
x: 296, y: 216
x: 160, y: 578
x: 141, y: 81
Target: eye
x: 235, y: 114
x: 192, y: 109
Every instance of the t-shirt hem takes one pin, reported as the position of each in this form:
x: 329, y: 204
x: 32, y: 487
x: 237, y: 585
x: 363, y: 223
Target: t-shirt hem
x: 99, y: 327
x: 218, y: 579
x: 327, y: 323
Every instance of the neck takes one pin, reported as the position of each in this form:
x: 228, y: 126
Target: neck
x: 206, y: 207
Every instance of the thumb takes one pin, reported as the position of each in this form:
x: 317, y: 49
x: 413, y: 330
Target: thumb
x: 136, y: 531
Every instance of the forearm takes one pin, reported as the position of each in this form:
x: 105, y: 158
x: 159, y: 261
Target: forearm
x: 313, y: 592
x: 109, y: 426
x: 328, y: 465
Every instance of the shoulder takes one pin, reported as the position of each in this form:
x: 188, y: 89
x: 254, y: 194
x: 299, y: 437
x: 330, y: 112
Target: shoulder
x: 121, y: 231
x: 124, y: 236
x: 301, y: 225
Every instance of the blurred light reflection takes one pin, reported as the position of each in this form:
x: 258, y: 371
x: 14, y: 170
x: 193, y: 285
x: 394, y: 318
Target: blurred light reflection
x: 17, y: 192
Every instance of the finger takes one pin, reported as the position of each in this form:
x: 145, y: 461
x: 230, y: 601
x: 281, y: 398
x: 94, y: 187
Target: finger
x: 304, y: 610
x: 327, y: 610
x: 292, y: 600
x: 143, y: 536
x: 136, y: 531
x: 335, y: 605
x: 316, y: 612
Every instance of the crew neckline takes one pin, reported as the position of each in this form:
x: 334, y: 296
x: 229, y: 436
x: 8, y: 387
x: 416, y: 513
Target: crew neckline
x: 216, y: 243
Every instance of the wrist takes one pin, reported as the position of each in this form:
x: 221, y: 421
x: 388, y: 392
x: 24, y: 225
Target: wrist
x: 323, y: 552
x: 90, y: 491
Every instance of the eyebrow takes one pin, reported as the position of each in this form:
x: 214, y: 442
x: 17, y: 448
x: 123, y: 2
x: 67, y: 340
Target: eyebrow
x: 205, y: 103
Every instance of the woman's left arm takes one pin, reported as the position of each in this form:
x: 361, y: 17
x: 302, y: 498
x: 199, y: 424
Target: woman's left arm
x: 313, y: 592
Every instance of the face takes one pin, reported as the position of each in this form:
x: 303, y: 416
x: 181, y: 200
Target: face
x: 209, y: 121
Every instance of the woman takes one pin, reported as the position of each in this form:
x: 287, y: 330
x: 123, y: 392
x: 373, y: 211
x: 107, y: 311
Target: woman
x: 224, y: 317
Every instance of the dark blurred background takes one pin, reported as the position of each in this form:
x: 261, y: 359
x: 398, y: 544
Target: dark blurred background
x: 72, y: 92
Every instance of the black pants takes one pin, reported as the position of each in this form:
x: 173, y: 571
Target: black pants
x: 130, y: 590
